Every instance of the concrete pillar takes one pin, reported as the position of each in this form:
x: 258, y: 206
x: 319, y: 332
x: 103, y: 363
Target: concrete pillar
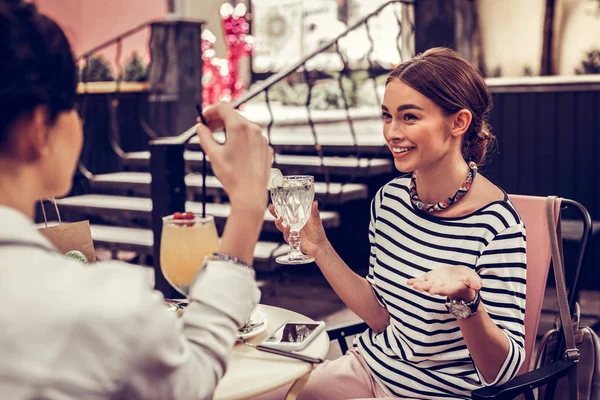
x: 448, y: 23
x: 175, y: 75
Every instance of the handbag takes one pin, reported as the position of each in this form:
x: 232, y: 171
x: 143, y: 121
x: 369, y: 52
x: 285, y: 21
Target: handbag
x: 581, y: 342
x: 73, y: 239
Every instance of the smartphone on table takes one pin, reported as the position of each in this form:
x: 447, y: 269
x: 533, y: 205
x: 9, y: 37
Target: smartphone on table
x: 294, y: 336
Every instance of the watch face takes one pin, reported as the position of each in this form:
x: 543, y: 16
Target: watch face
x: 459, y: 310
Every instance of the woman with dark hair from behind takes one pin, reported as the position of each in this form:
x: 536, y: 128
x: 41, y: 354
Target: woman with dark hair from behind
x: 70, y: 332
x: 444, y: 297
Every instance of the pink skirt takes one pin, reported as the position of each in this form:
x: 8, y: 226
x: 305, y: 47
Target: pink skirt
x: 344, y: 378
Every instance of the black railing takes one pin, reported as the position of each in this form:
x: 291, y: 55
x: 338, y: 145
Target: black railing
x: 271, y: 81
x: 403, y: 10
x: 167, y: 165
x: 114, y: 40
x: 405, y: 28
x: 168, y: 169
x: 112, y: 99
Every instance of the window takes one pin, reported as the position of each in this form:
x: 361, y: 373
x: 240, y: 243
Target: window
x: 286, y: 31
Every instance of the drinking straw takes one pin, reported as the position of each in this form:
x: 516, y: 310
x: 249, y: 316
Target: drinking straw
x: 203, y: 120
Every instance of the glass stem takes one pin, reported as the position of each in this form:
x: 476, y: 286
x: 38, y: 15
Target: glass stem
x: 294, y: 241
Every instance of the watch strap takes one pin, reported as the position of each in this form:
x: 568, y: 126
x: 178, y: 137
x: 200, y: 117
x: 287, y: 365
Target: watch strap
x: 473, y: 305
x: 217, y: 256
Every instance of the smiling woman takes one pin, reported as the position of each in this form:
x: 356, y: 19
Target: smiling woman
x: 452, y: 84
x: 444, y: 296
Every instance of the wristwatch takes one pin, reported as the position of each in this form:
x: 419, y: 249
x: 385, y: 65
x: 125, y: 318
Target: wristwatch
x: 216, y: 256
x: 463, y: 309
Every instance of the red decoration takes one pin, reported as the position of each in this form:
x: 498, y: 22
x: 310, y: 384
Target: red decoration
x: 221, y: 78
x: 212, y: 81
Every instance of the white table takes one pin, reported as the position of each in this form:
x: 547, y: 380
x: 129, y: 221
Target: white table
x: 252, y: 372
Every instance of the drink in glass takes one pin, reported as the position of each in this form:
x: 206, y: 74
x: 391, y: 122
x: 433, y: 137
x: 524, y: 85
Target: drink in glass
x: 292, y: 201
x: 184, y: 244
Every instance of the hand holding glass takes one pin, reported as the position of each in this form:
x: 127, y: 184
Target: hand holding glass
x: 292, y: 201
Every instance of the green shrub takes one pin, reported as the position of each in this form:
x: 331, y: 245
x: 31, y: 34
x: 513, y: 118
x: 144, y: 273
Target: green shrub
x: 97, y: 69
x: 590, y: 64
x: 135, y: 69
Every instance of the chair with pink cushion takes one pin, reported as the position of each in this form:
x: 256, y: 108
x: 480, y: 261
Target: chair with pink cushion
x: 534, y: 214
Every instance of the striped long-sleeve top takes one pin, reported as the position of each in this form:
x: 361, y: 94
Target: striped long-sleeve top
x: 422, y: 353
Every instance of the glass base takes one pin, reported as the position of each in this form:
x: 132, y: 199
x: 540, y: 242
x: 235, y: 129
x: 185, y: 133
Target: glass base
x: 290, y: 259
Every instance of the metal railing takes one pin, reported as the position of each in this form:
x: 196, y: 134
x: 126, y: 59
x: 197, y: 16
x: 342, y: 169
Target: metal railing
x: 167, y: 164
x: 116, y: 39
x: 113, y: 97
x: 271, y: 81
x: 404, y: 13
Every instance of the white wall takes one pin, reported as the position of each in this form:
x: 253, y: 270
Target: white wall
x: 512, y: 34
x: 580, y: 33
x: 208, y: 11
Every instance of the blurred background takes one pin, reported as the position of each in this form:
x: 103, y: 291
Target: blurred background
x: 311, y: 72
x: 504, y: 38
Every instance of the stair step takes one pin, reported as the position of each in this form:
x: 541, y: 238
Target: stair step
x: 333, y: 138
x: 139, y: 183
x: 290, y: 164
x: 142, y: 241
x: 287, y: 115
x: 98, y: 205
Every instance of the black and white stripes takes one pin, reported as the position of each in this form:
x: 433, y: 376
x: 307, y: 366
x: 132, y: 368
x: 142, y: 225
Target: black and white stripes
x: 422, y: 354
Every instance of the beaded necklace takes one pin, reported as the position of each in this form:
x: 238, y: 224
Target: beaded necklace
x: 442, y: 205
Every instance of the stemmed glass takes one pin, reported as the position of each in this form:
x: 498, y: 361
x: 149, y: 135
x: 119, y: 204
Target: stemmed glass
x: 292, y: 201
x: 186, y: 239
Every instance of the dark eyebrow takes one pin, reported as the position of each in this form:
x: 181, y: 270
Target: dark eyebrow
x: 403, y: 107
x: 408, y: 107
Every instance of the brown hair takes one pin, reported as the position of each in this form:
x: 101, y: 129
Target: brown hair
x: 452, y: 83
x: 37, y: 65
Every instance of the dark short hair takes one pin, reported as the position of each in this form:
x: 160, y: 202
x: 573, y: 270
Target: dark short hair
x: 37, y: 66
x: 447, y: 79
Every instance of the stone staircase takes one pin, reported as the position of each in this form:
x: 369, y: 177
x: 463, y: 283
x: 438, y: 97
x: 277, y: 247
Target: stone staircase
x: 119, y: 206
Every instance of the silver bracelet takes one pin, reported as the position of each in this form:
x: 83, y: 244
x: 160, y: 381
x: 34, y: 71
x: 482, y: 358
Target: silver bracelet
x: 216, y: 256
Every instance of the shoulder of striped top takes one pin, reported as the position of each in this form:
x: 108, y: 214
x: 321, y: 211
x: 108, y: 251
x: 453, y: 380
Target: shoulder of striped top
x: 401, y: 182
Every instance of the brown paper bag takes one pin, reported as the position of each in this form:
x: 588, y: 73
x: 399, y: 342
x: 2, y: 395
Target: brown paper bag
x: 70, y: 236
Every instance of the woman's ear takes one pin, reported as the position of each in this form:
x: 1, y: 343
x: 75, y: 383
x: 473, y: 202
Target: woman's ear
x: 460, y: 122
x: 30, y: 131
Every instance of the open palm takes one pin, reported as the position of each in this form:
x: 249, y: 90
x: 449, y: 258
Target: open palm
x: 456, y: 282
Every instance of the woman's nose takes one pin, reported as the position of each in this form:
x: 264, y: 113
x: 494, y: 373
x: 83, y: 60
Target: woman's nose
x: 393, y: 132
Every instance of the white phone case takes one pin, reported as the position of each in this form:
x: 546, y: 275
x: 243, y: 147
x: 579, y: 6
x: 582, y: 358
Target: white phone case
x: 295, y: 346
